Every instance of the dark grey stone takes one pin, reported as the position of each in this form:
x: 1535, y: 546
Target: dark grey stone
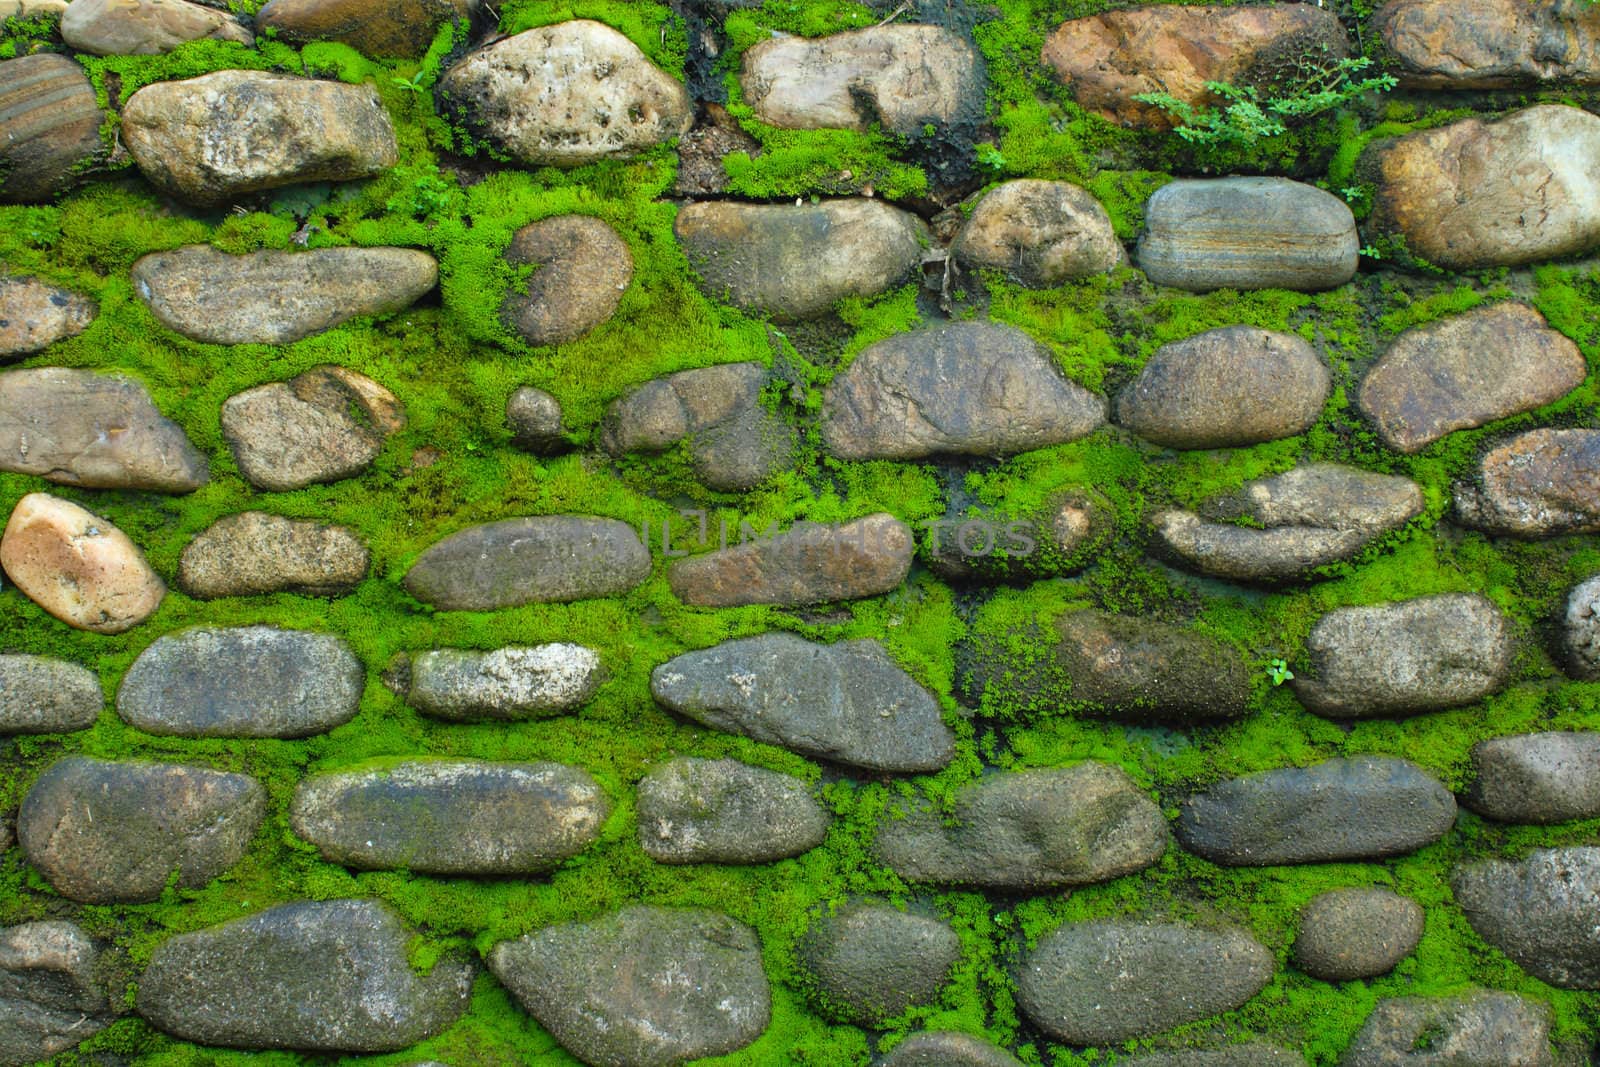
x: 1484, y: 1029
x: 49, y: 999
x: 870, y: 962
x: 534, y: 417
x: 1059, y: 536
x: 1347, y: 934
x: 1537, y: 778
x: 1249, y: 1054
x: 724, y: 811
x: 810, y: 563
x: 1539, y: 911
x: 39, y: 695
x: 1580, y: 631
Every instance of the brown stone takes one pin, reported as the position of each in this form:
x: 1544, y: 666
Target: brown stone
x: 253, y: 552
x: 702, y: 150
x: 1040, y: 233
x: 145, y: 27
x: 581, y: 269
x: 384, y: 28
x: 49, y: 126
x: 810, y: 564
x: 78, y: 567
x: 34, y: 316
x: 326, y: 424
x: 1538, y: 484
x: 1491, y: 44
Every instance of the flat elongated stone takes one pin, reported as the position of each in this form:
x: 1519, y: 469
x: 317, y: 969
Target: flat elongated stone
x: 100, y: 432
x: 386, y: 28
x: 1031, y: 830
x: 77, y: 566
x: 253, y: 552
x: 145, y: 27
x: 1039, y: 233
x: 326, y: 424
x: 847, y: 702
x: 1341, y: 809
x: 103, y: 832
x: 452, y: 817
x: 39, y: 695
x: 724, y: 811
x: 872, y: 961
x: 50, y: 1000
x: 1539, y: 911
x: 275, y: 298
x: 947, y: 1048
x: 49, y: 126
x: 34, y: 316
x: 1243, y: 1054
x: 1537, y: 778
x: 245, y: 681
x: 1538, y: 484
x: 537, y: 560
x: 506, y: 683
x: 1480, y: 1029
x: 1492, y: 44
x: 811, y: 563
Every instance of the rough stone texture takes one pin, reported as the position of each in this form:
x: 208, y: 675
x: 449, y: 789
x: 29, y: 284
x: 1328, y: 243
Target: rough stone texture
x: 1467, y: 370
x: 964, y: 388
x: 1030, y: 830
x: 34, y: 316
x: 1405, y: 657
x: 1538, y: 484
x: 39, y: 695
x: 1105, y: 981
x: 1523, y: 189
x: 701, y: 151
x: 724, y: 811
x: 99, y: 432
x: 77, y: 566
x: 1041, y: 234
x: 326, y: 424
x: 811, y: 563
x: 1496, y: 44
x: 1364, y: 808
x: 568, y: 94
x: 847, y: 702
x: 734, y: 441
x: 213, y: 138
x: 694, y: 985
x: 1348, y: 934
x: 581, y: 269
x: 947, y: 1048
x: 534, y: 418
x: 1580, y: 631
x: 1485, y: 1029
x: 1058, y: 537
x: 49, y: 999
x: 243, y: 681
x: 1247, y: 233
x: 899, y: 77
x: 106, y: 833
x: 328, y: 976
x: 1248, y: 1054
x: 386, y: 28
x: 252, y: 553
x: 537, y: 560
x: 1305, y: 518
x: 1109, y: 58
x: 273, y: 297
x: 795, y: 261
x: 504, y: 684
x: 1537, y: 778
x: 1232, y: 386
x: 145, y: 27
x: 1540, y: 912
x: 452, y: 817
x: 32, y: 9
x: 49, y: 126
x: 871, y: 962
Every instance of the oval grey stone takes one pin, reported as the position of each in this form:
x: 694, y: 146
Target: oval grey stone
x: 503, y: 684
x: 810, y: 563
x: 50, y: 999
x: 252, y: 553
x: 534, y: 418
x: 724, y: 811
x: 1481, y: 1029
x: 543, y: 559
x: 871, y: 962
x: 947, y: 1048
x: 1246, y: 1054
x: 1537, y: 778
x: 145, y: 27
x: 39, y: 695
x: 1356, y: 933
x: 247, y: 681
x: 1539, y: 911
x: 1580, y: 631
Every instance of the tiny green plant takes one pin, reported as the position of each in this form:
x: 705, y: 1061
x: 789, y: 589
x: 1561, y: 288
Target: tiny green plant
x: 1278, y: 671
x: 990, y: 158
x: 412, y: 84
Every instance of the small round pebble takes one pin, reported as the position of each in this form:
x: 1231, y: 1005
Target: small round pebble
x: 1356, y: 933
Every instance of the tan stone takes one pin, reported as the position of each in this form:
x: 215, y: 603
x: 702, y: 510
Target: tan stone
x: 145, y: 27
x: 49, y: 126
x: 1491, y: 44
x: 326, y: 424
x: 581, y: 269
x: 388, y: 28
x: 78, y: 567
x: 34, y: 316
x: 31, y: 9
x: 1538, y: 484
x: 1040, y: 233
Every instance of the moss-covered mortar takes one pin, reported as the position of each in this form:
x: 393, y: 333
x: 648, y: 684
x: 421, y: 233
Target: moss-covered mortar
x: 452, y: 362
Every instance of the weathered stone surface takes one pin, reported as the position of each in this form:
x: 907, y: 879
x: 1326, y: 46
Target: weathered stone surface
x: 965, y: 388
x: 145, y: 27
x: 386, y: 28
x: 1538, y: 484
x: 39, y: 695
x: 503, y: 684
x: 1466, y: 370
x: 327, y: 976
x: 34, y: 316
x: 1232, y: 386
x: 899, y: 77
x: 1041, y: 234
x: 80, y: 428
x: 1496, y: 44
x: 49, y: 126
x: 1247, y: 1054
x: 1405, y: 657
x: 77, y: 566
x: 581, y: 269
x: 1247, y: 233
x: 452, y: 816
x: 724, y: 811
x: 1474, y: 194
x: 222, y: 135
x: 1032, y: 829
x: 694, y: 985
x: 326, y: 424
x: 1580, y: 631
x: 1363, y: 808
x: 534, y: 418
x: 1105, y: 981
x: 1356, y: 933
x: 795, y: 261
x: 49, y: 999
x: 253, y: 552
x: 735, y: 442
x: 1540, y: 912
x: 537, y: 560
x: 811, y: 563
x: 243, y: 681
x: 1303, y: 519
x: 32, y: 9
x: 103, y: 833
x: 947, y: 1048
x: 567, y: 94
x: 871, y: 962
x: 847, y: 702
x: 275, y: 298
x: 1058, y: 537
x: 1537, y: 778
x: 1109, y: 58
x: 1485, y: 1029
